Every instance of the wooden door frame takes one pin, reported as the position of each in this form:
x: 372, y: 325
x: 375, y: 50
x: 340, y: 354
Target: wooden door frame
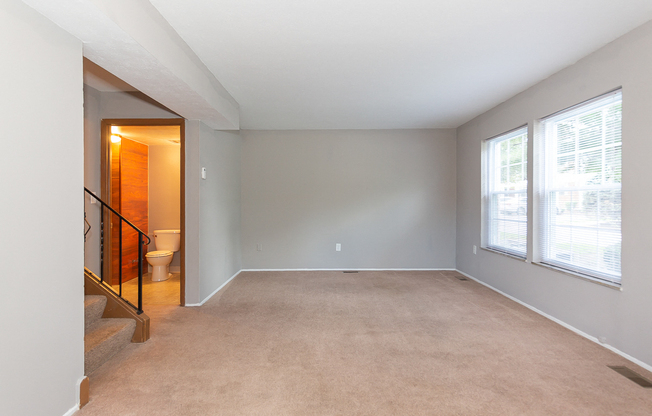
x: 106, y: 179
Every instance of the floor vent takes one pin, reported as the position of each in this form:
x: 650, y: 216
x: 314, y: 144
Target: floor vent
x: 350, y: 271
x: 460, y: 277
x: 632, y: 375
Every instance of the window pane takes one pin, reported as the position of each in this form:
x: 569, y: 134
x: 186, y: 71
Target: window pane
x: 516, y: 174
x: 613, y: 124
x: 503, y: 153
x: 590, y: 130
x: 581, y: 200
x: 613, y: 169
x: 506, y: 193
x: 515, y: 151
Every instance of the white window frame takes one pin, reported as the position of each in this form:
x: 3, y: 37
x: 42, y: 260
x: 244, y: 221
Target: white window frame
x: 545, y: 161
x: 490, y: 195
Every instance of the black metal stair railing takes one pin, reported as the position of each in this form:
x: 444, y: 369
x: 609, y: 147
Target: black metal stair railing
x: 104, y: 206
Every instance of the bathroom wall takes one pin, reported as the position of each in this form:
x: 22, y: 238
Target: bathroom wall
x: 165, y: 192
x: 41, y: 217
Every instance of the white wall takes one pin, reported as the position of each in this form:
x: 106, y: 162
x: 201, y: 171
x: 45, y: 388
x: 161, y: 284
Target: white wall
x: 220, y: 255
x: 41, y: 165
x: 388, y: 196
x: 165, y: 192
x: 624, y: 318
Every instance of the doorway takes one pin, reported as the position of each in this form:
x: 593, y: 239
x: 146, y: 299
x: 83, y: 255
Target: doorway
x: 143, y: 178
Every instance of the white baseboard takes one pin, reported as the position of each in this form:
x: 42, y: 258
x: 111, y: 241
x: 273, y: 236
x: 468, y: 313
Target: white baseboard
x: 72, y: 411
x: 216, y: 290
x: 564, y: 324
x: 342, y: 269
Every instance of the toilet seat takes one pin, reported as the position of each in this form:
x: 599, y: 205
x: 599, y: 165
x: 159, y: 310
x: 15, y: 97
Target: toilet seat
x: 159, y: 253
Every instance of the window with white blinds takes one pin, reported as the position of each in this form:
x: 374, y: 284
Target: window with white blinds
x: 580, y: 188
x: 505, y: 193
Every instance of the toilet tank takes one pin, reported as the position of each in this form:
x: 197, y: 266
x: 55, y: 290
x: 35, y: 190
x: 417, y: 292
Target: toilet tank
x: 167, y: 239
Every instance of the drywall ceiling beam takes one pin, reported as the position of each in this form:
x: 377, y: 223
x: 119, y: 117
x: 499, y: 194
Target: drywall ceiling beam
x: 130, y: 39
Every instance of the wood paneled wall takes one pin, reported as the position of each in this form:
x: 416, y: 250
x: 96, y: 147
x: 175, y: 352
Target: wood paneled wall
x: 133, y: 205
x: 115, y: 204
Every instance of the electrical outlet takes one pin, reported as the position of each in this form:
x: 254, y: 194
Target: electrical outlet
x: 475, y: 250
x: 259, y: 247
x: 338, y: 247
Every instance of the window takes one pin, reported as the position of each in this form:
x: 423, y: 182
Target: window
x: 505, y: 193
x: 580, y: 187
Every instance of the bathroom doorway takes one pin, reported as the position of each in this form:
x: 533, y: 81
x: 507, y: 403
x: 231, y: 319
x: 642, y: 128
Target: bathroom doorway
x: 143, y: 178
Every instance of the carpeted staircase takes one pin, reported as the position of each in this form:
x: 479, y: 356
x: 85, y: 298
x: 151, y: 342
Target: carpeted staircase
x: 103, y: 337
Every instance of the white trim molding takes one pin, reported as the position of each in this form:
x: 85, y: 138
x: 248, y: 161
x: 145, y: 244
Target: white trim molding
x: 72, y: 411
x: 215, y: 291
x: 564, y: 324
x: 344, y: 269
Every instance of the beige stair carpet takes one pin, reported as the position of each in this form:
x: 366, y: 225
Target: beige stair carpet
x: 93, y: 309
x: 371, y: 343
x: 103, y: 337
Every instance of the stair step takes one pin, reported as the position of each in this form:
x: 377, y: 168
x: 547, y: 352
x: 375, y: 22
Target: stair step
x: 104, y: 338
x: 93, y: 309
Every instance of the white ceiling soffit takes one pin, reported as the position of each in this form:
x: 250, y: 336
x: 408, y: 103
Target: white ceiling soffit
x: 102, y: 80
x: 374, y: 64
x: 130, y: 39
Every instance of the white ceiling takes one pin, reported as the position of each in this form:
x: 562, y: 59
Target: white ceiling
x: 375, y: 64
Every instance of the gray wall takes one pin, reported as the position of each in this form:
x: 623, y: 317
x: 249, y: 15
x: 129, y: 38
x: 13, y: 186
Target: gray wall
x: 624, y: 318
x: 132, y: 105
x: 165, y: 192
x: 191, y: 237
x: 220, y: 256
x: 42, y: 338
x: 388, y: 196
x: 92, y: 175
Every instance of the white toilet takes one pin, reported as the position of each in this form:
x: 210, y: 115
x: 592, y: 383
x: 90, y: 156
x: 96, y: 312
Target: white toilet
x: 166, y: 242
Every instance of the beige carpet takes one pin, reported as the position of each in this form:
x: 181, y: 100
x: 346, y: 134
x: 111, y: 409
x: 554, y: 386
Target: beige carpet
x: 371, y: 343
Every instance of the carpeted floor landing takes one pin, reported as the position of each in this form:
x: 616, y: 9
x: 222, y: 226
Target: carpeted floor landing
x: 370, y: 343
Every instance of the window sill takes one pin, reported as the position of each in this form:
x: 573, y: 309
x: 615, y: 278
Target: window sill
x: 588, y: 278
x: 504, y: 253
